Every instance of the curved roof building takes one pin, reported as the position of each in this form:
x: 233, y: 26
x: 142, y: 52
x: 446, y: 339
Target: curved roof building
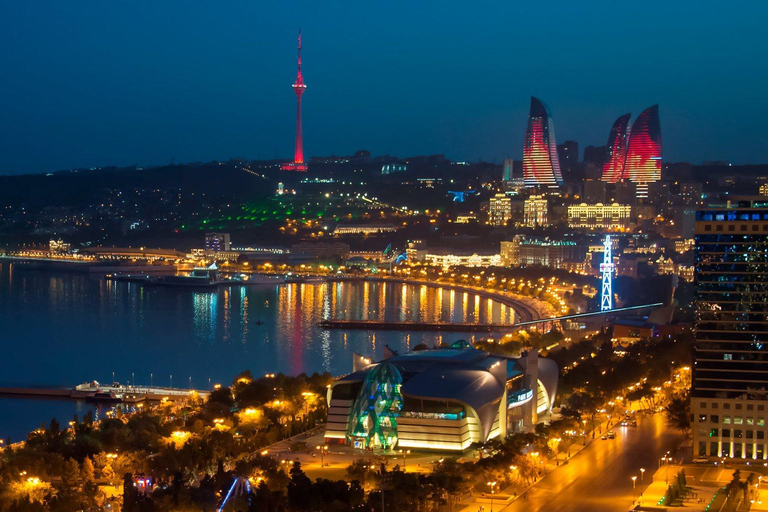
x: 443, y: 399
x: 643, y: 161
x: 613, y: 169
x: 541, y: 166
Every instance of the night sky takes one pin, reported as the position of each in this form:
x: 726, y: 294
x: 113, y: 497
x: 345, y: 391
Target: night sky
x: 89, y: 83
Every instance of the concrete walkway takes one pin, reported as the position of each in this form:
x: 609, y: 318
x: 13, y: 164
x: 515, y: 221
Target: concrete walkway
x: 651, y: 495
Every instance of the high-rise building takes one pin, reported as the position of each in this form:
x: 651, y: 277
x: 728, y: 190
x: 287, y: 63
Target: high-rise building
x: 499, y: 210
x: 509, y: 169
x: 764, y: 189
x: 595, y: 191
x: 643, y: 162
x: 616, y: 154
x: 624, y: 192
x: 594, y: 155
x: 568, y: 155
x: 217, y: 242
x: 541, y: 166
x: 635, y: 154
x: 393, y: 168
x: 298, y: 156
x: 691, y: 193
x: 535, y: 210
x: 729, y: 400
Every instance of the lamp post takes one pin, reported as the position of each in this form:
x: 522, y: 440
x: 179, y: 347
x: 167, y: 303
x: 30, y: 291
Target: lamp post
x: 405, y: 457
x: 492, y: 485
x: 634, y: 481
x: 323, y: 450
x: 642, y: 474
x: 665, y: 461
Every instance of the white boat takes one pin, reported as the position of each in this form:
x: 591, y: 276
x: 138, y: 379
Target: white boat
x: 199, y: 277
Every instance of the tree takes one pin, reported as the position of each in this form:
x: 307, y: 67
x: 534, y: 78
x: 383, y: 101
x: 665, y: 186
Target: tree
x: 449, y: 476
x: 360, y: 471
x: 70, y: 476
x: 108, y: 473
x: 87, y: 472
x: 299, y: 489
x: 678, y: 412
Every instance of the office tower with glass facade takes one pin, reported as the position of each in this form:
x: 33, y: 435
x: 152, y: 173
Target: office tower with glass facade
x: 730, y: 372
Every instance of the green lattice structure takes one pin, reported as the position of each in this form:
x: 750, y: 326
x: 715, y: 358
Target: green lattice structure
x: 373, y: 419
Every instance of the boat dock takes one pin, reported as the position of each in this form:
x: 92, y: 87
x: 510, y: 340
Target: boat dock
x: 93, y: 391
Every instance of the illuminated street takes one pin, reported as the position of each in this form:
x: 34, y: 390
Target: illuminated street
x: 600, y: 477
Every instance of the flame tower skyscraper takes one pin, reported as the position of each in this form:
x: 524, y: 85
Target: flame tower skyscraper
x: 298, y: 156
x: 541, y: 166
x: 613, y: 169
x: 643, y: 163
x: 635, y: 154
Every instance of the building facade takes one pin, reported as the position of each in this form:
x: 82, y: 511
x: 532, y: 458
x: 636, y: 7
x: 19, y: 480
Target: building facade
x: 499, y: 210
x: 548, y: 253
x: 444, y: 399
x: 216, y: 242
x: 729, y: 400
x: 599, y: 216
x: 461, y: 260
x: 541, y: 166
x: 535, y: 210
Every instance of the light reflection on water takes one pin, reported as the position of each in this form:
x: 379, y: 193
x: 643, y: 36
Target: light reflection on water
x: 63, y: 329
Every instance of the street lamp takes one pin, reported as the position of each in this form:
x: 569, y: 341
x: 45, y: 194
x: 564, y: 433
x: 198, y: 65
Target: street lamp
x: 323, y: 450
x: 405, y: 457
x: 642, y: 474
x: 634, y: 481
x: 492, y: 485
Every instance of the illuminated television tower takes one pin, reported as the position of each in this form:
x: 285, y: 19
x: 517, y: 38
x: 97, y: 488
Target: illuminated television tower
x: 298, y: 156
x: 606, y: 269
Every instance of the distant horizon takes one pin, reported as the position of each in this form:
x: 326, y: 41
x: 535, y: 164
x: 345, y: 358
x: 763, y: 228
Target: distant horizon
x: 203, y: 161
x: 93, y: 85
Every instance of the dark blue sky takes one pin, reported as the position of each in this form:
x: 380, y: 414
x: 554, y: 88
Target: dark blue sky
x: 86, y: 83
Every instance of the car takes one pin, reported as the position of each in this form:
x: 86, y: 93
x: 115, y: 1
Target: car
x: 625, y: 423
x: 634, y: 423
x: 603, y: 437
x: 700, y: 460
x: 611, y: 434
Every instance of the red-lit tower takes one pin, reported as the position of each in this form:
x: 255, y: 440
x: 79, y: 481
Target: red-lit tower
x: 298, y: 156
x: 618, y: 140
x: 541, y: 166
x: 643, y: 163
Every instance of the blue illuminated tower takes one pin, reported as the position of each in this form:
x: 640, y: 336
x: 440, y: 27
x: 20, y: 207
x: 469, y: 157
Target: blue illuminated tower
x: 606, y: 269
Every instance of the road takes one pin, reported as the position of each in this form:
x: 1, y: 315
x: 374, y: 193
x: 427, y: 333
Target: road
x: 599, y: 478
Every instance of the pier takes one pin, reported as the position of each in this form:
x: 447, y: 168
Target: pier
x: 96, y: 392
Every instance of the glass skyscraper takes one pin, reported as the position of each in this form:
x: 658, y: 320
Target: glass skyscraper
x: 635, y: 154
x: 613, y: 169
x: 730, y: 372
x: 541, y: 166
x: 643, y: 161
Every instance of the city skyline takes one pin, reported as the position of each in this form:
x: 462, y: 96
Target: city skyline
x: 70, y: 103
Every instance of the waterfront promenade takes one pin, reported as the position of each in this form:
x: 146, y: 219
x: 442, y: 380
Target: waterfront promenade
x: 527, y: 308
